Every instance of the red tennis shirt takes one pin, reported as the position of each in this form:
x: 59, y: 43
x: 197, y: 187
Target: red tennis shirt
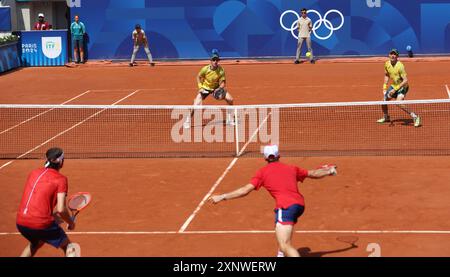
x: 39, y: 198
x: 281, y: 182
x: 41, y: 26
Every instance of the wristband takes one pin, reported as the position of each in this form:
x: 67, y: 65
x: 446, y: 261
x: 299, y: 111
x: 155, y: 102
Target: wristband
x: 384, y: 86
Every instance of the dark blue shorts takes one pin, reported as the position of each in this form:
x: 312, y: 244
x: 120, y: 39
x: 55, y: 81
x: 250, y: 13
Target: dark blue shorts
x: 77, y: 43
x: 53, y: 235
x: 290, y: 215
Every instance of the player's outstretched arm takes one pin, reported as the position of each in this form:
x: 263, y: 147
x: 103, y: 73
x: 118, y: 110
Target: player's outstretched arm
x: 240, y: 192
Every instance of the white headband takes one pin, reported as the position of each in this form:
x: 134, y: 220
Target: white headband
x: 57, y: 161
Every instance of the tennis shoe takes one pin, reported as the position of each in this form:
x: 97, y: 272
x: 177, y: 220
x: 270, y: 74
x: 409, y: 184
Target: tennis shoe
x: 187, y: 124
x: 73, y: 250
x: 417, y: 122
x: 384, y: 120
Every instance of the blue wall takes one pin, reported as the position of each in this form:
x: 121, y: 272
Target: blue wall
x: 5, y: 19
x: 249, y: 28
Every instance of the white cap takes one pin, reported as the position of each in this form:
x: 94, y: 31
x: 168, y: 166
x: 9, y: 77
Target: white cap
x: 270, y: 150
x: 41, y: 15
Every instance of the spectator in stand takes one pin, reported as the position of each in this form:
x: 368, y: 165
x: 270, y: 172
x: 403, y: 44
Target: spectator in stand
x: 42, y: 24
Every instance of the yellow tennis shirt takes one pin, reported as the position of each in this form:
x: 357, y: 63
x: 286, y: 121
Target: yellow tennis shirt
x: 397, y: 73
x: 212, y: 78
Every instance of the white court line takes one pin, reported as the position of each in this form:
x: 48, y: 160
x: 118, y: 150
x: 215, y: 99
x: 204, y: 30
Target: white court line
x: 243, y: 232
x: 230, y: 166
x: 117, y: 89
x: 67, y: 130
x: 31, y: 118
x: 448, y: 91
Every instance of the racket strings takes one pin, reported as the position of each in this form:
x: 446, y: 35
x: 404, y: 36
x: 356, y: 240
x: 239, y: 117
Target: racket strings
x: 78, y: 202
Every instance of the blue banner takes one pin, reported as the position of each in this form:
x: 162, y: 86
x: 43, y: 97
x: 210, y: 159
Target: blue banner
x: 43, y: 48
x: 253, y: 28
x: 9, y: 57
x: 5, y: 19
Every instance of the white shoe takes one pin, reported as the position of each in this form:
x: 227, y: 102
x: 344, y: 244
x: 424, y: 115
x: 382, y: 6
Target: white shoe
x: 417, y: 122
x: 73, y: 250
x: 187, y: 124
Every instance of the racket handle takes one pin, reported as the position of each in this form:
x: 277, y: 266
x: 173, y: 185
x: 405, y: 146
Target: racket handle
x: 73, y: 217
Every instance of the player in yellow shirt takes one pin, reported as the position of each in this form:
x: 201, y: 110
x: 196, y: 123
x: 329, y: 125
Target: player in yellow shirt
x: 211, y: 80
x: 395, y: 70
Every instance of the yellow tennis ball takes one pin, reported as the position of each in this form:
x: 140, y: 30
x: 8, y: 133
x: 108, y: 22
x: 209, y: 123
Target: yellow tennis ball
x: 308, y: 54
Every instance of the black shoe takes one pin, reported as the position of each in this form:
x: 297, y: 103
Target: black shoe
x: 77, y: 62
x: 297, y: 62
x: 152, y: 64
x: 313, y: 61
x: 131, y: 64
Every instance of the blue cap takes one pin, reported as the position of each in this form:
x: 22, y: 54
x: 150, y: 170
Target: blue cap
x: 138, y: 26
x: 395, y: 51
x: 215, y: 56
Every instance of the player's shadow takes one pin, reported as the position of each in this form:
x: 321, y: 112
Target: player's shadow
x: 404, y: 122
x: 306, y: 251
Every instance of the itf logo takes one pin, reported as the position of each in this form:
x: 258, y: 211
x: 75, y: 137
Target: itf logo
x: 316, y: 25
x: 51, y: 47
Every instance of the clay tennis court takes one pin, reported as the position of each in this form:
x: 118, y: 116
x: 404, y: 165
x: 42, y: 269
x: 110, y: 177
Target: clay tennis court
x: 155, y: 206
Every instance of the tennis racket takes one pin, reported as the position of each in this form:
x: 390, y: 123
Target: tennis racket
x: 78, y: 202
x: 327, y: 166
x: 219, y: 93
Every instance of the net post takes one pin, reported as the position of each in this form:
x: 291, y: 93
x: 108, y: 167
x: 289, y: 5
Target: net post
x: 236, y: 131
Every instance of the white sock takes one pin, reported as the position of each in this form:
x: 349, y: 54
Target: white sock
x: 413, y: 115
x: 280, y: 254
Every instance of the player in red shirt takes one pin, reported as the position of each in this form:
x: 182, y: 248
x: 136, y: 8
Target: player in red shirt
x: 45, y: 189
x: 41, y: 24
x: 281, y: 182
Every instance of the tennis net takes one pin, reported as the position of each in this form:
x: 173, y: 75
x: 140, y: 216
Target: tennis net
x: 321, y: 129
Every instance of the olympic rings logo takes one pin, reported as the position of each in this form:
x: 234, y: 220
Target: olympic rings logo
x: 316, y: 24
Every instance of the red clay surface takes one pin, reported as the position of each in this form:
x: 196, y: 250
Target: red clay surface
x: 159, y: 195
